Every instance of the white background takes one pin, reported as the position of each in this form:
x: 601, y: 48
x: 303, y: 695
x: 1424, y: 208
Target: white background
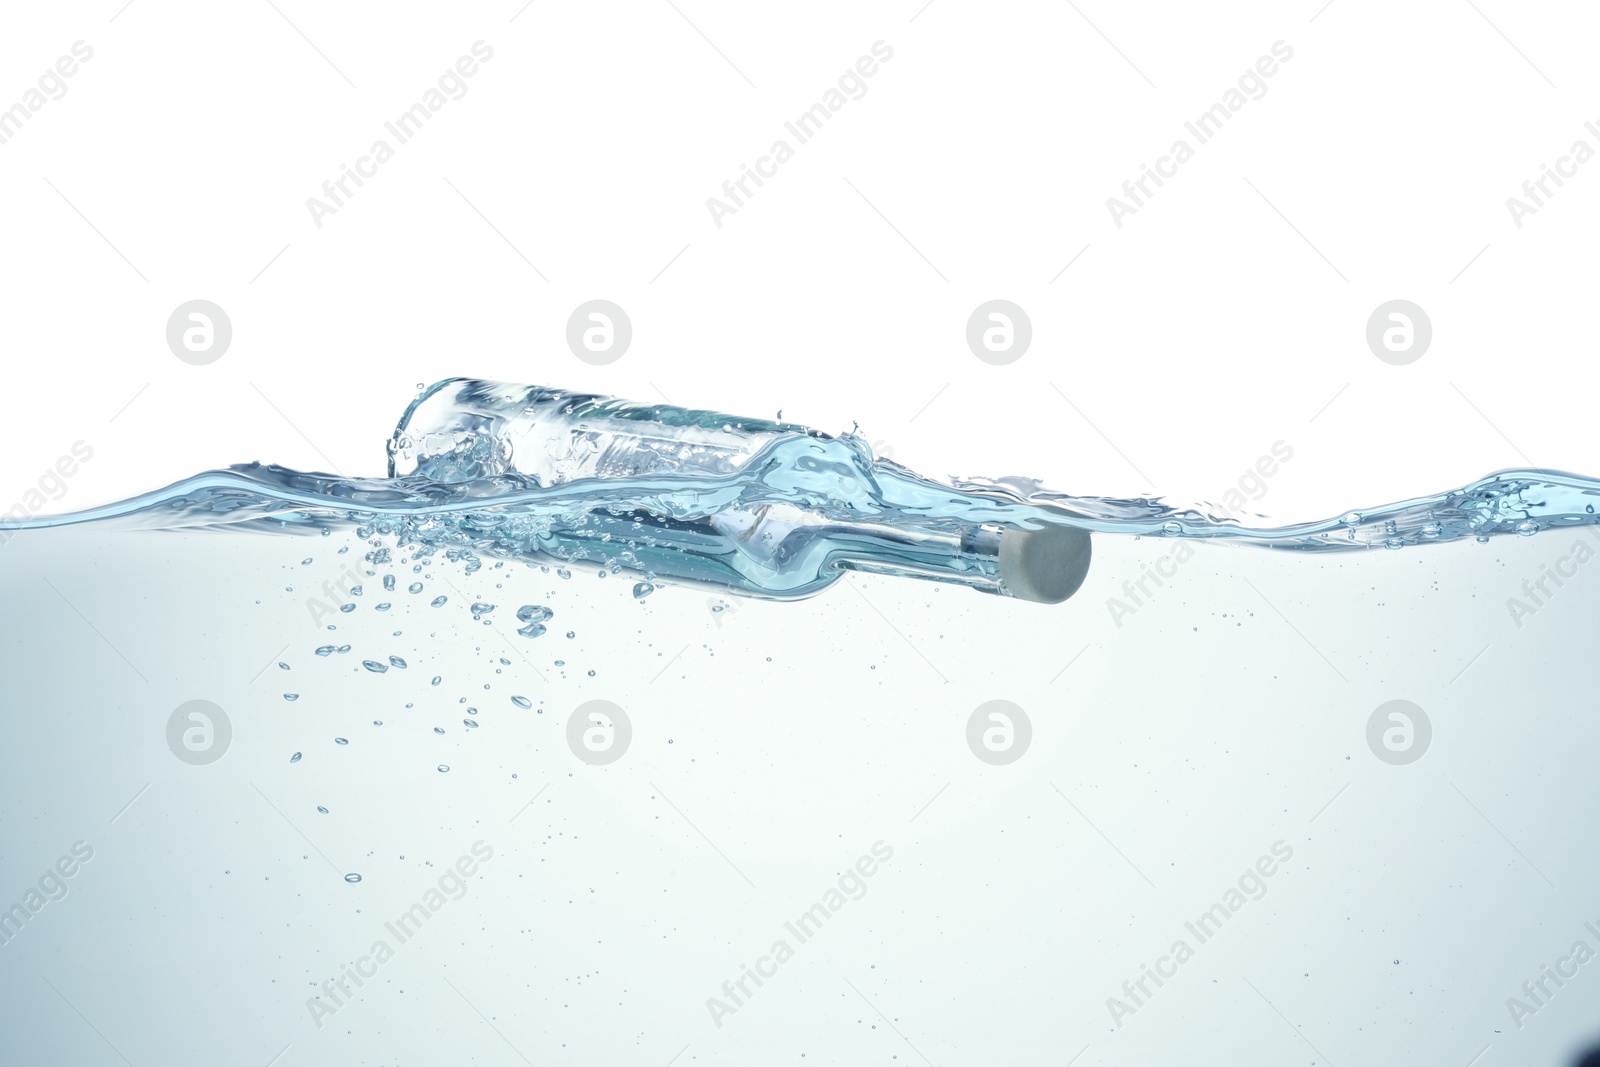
x: 1167, y: 355
x: 1192, y: 338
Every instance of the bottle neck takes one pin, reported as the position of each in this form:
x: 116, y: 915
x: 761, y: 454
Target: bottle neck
x: 772, y: 550
x: 781, y: 536
x: 969, y: 557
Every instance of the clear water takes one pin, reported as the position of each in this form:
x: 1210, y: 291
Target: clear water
x: 411, y: 686
x: 507, y: 515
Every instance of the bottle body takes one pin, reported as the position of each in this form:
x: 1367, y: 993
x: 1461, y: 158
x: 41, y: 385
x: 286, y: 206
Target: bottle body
x: 463, y: 429
x: 754, y: 506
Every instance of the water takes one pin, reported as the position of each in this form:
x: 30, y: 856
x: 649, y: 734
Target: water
x: 656, y: 787
x: 510, y: 516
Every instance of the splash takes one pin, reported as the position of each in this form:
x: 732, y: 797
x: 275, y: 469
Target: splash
x: 650, y: 521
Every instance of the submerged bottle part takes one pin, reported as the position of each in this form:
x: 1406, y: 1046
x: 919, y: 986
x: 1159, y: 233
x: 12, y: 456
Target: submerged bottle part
x: 756, y: 506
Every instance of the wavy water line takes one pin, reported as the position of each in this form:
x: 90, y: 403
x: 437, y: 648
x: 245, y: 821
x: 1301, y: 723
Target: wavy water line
x: 1518, y: 502
x: 1510, y: 502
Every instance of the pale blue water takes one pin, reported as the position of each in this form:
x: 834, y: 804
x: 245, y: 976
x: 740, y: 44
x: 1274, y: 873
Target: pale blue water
x: 514, y: 516
x: 402, y: 677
